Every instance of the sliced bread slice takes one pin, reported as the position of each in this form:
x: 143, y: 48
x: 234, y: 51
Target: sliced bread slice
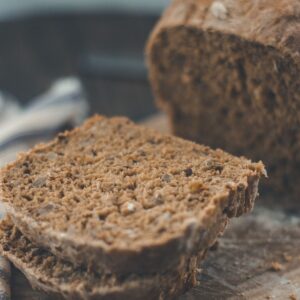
x: 227, y: 73
x: 121, y: 198
x: 46, y: 272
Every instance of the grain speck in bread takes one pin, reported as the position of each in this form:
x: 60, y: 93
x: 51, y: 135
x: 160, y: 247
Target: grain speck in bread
x: 121, y: 198
x: 227, y: 73
x: 50, y: 274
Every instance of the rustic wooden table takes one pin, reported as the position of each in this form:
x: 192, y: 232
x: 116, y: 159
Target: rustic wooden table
x: 257, y: 258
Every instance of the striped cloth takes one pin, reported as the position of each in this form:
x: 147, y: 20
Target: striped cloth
x: 63, y: 106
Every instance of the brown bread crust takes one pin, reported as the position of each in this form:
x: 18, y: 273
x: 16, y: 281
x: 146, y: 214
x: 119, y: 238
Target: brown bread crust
x: 227, y: 74
x: 212, y: 185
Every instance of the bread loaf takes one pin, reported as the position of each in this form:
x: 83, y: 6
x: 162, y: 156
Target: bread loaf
x: 52, y: 275
x: 227, y: 73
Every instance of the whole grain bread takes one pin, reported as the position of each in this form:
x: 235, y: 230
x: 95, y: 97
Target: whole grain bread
x: 120, y: 198
x: 227, y: 73
x: 50, y: 274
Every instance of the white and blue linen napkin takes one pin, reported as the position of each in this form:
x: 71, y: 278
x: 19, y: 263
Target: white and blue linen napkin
x: 63, y: 106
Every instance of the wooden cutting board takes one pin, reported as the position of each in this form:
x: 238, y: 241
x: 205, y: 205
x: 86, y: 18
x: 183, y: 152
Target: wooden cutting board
x: 257, y: 258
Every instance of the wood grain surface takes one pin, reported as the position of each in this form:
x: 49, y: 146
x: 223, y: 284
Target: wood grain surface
x: 257, y: 258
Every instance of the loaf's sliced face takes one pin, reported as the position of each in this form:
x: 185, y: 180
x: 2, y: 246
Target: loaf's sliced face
x: 226, y: 91
x: 50, y: 274
x: 113, y: 187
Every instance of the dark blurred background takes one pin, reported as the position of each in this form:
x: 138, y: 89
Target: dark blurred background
x: 101, y: 42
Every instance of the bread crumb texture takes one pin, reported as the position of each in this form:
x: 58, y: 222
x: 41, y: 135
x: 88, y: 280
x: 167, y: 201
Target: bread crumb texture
x: 113, y: 181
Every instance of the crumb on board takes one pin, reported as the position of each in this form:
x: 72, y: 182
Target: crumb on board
x: 293, y: 297
x: 198, y: 271
x: 287, y: 257
x: 276, y: 266
x: 215, y: 246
